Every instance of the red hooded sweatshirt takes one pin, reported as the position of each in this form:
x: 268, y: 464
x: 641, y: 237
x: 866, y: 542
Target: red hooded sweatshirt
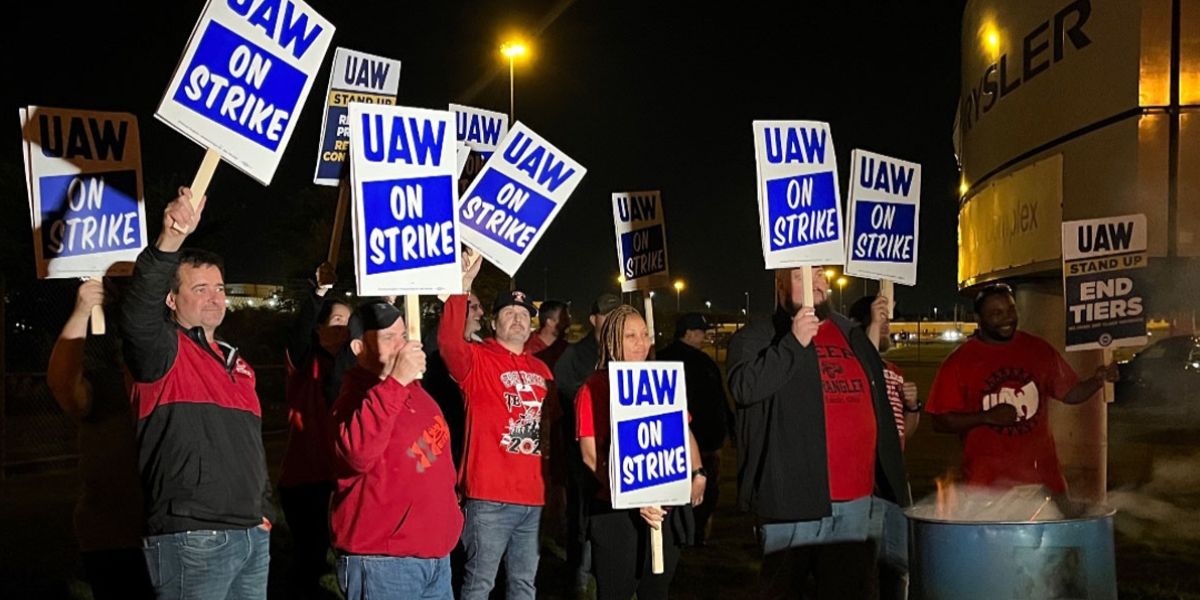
x: 503, y: 393
x: 395, y: 485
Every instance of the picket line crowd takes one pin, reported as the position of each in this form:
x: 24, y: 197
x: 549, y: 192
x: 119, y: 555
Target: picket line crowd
x: 428, y: 466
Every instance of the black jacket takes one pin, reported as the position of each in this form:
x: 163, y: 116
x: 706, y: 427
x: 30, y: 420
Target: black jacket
x: 199, y: 423
x: 776, y: 384
x: 711, y: 415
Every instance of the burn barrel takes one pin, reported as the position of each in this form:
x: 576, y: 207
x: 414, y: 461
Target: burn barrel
x: 980, y: 560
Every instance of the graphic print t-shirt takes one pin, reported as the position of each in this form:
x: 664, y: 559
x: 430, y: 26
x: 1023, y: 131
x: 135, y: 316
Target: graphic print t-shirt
x: 1025, y: 372
x: 849, y: 416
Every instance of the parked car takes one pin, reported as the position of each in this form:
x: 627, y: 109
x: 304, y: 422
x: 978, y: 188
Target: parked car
x: 1164, y: 371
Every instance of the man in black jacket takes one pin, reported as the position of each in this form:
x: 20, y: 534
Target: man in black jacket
x: 818, y: 453
x: 199, y: 424
x: 711, y: 417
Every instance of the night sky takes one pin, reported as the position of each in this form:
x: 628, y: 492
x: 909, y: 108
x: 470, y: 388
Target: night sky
x: 644, y: 94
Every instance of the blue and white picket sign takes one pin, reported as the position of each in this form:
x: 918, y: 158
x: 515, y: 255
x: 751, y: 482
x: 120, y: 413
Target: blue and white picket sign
x: 885, y: 210
x: 799, y: 206
x: 84, y: 178
x: 641, y: 240
x: 354, y: 77
x: 403, y: 176
x: 649, y: 462
x: 243, y: 79
x: 513, y: 200
x: 481, y: 130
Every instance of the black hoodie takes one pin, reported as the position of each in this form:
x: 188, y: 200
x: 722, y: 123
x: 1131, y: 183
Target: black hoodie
x: 782, y: 463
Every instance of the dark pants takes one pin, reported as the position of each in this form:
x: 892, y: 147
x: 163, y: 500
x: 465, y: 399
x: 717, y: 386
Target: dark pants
x: 621, y: 556
x: 117, y: 574
x: 712, y: 493
x: 581, y: 486
x: 843, y: 571
x: 306, y: 508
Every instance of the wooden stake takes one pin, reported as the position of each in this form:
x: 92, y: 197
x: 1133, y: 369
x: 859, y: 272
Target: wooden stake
x: 886, y: 289
x: 648, y: 307
x: 1109, y: 389
x: 199, y: 188
x: 97, y: 315
x: 339, y: 222
x: 656, y: 549
x: 98, y: 325
x: 806, y: 272
x: 412, y: 318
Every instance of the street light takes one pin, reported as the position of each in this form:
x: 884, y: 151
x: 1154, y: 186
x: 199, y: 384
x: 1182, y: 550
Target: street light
x: 841, y: 283
x: 678, y: 289
x: 512, y: 50
x: 708, y: 305
x: 829, y: 273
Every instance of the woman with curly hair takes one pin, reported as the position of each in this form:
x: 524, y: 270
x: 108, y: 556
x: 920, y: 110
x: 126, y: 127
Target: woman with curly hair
x: 620, y: 538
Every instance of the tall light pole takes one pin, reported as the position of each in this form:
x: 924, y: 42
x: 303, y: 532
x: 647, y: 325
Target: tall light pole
x: 512, y: 50
x: 678, y: 289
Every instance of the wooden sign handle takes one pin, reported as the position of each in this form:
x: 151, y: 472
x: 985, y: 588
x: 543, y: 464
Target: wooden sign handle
x: 656, y: 549
x: 806, y: 273
x: 648, y: 307
x: 97, y: 321
x: 339, y: 222
x: 412, y: 318
x: 887, y: 289
x: 199, y: 188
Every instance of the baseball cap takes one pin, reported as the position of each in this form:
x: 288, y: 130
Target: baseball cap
x: 372, y: 316
x: 513, y: 298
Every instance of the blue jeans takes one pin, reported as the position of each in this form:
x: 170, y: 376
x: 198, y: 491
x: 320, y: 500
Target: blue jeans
x: 228, y: 564
x: 492, y: 529
x: 362, y: 577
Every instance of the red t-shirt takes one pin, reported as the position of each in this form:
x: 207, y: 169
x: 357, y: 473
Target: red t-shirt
x: 895, y: 393
x: 849, y: 416
x: 1024, y: 372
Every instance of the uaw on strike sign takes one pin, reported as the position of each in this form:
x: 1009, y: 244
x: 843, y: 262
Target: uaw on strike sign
x: 1102, y: 261
x: 243, y: 79
x: 641, y: 240
x: 799, y: 207
x: 649, y: 463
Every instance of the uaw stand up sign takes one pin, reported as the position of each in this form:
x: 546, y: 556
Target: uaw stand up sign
x: 1102, y: 263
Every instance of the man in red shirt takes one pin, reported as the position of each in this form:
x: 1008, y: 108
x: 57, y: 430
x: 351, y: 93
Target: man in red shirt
x: 394, y: 515
x: 500, y: 478
x: 993, y: 390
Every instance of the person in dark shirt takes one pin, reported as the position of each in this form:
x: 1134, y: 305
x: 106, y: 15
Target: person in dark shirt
x: 574, y: 367
x: 317, y: 355
x: 712, y: 419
